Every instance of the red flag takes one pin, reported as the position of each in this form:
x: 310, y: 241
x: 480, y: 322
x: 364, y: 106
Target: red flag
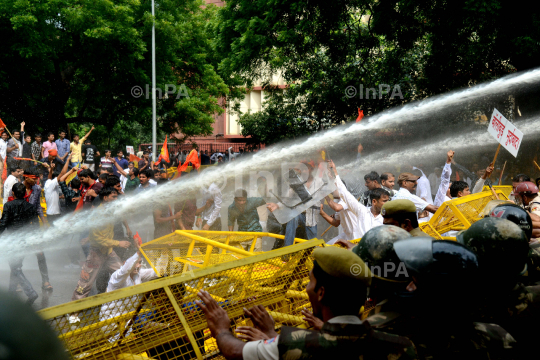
x: 360, y: 115
x: 137, y: 238
x: 4, y: 171
x: 2, y: 125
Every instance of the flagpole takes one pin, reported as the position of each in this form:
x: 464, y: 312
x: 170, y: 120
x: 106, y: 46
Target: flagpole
x: 153, y: 85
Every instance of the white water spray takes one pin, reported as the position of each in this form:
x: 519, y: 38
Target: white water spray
x: 56, y: 236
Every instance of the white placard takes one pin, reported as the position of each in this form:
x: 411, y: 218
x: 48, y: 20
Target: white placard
x: 130, y: 150
x: 497, y: 125
x: 512, y: 138
x: 506, y: 133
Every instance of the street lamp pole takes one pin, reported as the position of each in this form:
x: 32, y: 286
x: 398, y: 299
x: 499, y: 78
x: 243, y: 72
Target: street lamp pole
x: 153, y: 85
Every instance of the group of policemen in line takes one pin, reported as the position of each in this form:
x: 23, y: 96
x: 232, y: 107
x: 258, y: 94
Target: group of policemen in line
x: 475, y: 298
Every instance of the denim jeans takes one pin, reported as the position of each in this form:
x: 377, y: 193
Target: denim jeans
x: 290, y: 232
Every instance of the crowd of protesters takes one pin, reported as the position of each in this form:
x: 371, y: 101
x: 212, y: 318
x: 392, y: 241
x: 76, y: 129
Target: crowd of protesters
x: 76, y: 176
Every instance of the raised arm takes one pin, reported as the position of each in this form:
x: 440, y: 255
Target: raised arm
x: 88, y: 133
x: 445, y: 179
x: 480, y: 183
x: 65, y: 169
x: 333, y: 205
x: 51, y: 169
x: 119, y: 168
x: 328, y: 218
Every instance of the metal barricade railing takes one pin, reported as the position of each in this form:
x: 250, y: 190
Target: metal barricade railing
x: 459, y: 214
x: 159, y: 319
x: 188, y: 250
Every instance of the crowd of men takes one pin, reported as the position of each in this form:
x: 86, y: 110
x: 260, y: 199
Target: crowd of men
x: 435, y: 279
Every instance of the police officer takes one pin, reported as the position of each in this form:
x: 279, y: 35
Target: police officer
x: 337, y: 289
x: 521, y: 218
x: 388, y: 273
x: 502, y: 250
x: 526, y: 193
x: 437, y: 315
x: 402, y: 213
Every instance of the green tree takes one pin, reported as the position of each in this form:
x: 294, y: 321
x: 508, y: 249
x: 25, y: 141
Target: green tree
x: 323, y: 48
x: 77, y: 62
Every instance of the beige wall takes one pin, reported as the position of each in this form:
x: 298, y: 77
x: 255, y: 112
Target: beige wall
x: 252, y: 102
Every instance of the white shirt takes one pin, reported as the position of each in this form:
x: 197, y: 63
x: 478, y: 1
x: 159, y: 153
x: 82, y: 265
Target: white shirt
x: 123, y: 179
x: 52, y: 197
x: 406, y: 194
x: 211, y: 214
x: 443, y: 188
x: 268, y: 349
x: 434, y: 181
x: 215, y: 156
x: 10, y: 181
x: 365, y: 220
x: 423, y: 190
x: 348, y: 222
x: 478, y: 186
x: 3, y: 148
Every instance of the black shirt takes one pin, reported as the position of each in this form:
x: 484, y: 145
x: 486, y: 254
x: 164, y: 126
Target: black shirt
x: 90, y: 154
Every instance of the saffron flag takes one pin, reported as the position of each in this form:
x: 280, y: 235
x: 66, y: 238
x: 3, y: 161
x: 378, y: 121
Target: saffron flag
x: 135, y: 160
x: 2, y: 125
x: 360, y: 115
x: 164, y: 153
x: 137, y: 238
x: 192, y: 158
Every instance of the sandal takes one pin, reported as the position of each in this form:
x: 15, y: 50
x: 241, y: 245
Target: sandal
x: 47, y: 286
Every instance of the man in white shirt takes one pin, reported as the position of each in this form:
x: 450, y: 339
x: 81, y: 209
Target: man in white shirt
x: 442, y: 193
x: 481, y: 182
x: 210, y: 211
x: 12, y: 179
x: 367, y: 218
x: 342, y: 216
x: 407, y: 186
x: 215, y: 156
x: 52, y: 195
x: 128, y: 275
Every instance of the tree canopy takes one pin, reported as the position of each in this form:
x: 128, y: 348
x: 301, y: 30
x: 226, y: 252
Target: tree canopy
x: 78, y: 62
x: 322, y: 49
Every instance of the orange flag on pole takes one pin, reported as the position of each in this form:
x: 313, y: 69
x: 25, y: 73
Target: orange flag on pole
x: 360, y: 115
x: 164, y: 152
x: 2, y: 125
x: 192, y: 158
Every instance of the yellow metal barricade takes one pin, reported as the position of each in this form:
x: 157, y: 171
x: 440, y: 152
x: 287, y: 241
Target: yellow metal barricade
x: 188, y: 250
x: 459, y: 214
x: 505, y: 189
x: 160, y: 319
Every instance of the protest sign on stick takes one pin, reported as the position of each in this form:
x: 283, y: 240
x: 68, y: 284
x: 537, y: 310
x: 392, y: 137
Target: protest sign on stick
x: 505, y: 133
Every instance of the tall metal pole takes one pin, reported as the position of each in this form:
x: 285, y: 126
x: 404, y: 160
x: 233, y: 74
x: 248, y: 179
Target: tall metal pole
x: 153, y: 86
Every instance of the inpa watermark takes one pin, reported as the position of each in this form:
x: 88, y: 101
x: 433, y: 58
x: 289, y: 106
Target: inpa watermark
x: 389, y: 269
x: 170, y: 91
x: 384, y: 89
